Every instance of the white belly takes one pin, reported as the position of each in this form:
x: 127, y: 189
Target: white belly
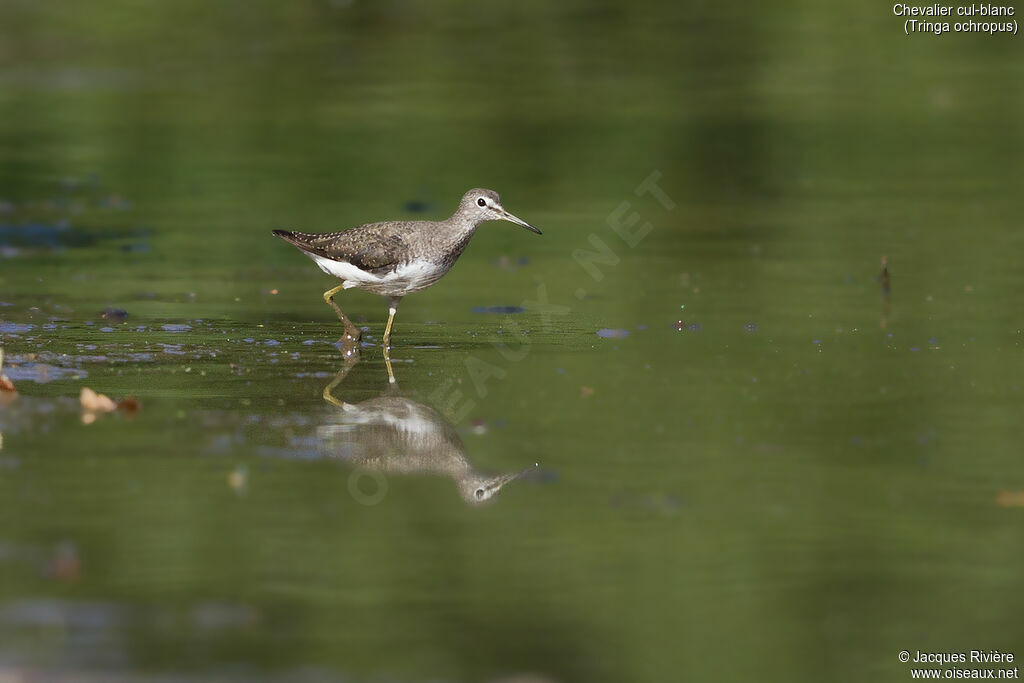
x: 407, y: 278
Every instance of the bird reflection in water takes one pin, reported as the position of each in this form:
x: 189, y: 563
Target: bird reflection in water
x: 394, y: 434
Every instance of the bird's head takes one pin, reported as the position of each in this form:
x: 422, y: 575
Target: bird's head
x: 485, y: 205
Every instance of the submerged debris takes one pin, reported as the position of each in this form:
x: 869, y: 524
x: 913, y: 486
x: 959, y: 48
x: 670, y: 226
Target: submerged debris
x: 113, y: 314
x: 883, y: 279
x: 238, y: 478
x: 129, y: 406
x: 64, y: 565
x: 612, y: 333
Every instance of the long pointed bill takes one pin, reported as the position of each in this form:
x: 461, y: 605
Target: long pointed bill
x: 519, y: 221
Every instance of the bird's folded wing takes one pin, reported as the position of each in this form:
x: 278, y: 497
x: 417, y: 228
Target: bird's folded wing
x: 381, y: 255
x: 373, y: 247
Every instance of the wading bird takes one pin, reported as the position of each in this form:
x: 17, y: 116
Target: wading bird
x: 396, y: 258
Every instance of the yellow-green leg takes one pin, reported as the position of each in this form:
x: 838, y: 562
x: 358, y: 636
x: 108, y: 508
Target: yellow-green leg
x: 350, y: 361
x: 387, y: 364
x: 329, y: 294
x: 391, y: 319
x: 352, y: 333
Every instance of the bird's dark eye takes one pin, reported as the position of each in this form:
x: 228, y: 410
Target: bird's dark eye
x: 481, y: 202
x: 480, y: 492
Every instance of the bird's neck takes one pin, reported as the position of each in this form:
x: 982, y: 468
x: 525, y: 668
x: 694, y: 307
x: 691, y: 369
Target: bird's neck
x: 460, y: 228
x: 465, y: 221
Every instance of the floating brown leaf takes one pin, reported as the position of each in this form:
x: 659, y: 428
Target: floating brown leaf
x: 6, y: 385
x: 1010, y: 499
x: 96, y: 403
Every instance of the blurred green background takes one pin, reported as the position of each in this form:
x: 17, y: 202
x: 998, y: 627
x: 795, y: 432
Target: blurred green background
x: 753, y: 462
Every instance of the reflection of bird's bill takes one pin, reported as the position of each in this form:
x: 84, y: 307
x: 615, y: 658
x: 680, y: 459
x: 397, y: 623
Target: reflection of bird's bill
x: 519, y: 221
x: 502, y: 479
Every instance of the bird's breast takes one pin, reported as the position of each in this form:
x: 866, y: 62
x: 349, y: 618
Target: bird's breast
x: 415, y: 275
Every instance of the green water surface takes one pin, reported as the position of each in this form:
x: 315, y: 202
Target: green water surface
x: 745, y: 461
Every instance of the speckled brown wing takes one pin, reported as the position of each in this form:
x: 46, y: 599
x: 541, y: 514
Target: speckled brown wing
x: 374, y: 247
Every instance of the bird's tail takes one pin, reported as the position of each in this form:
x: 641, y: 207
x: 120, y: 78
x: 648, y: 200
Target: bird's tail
x: 299, y: 239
